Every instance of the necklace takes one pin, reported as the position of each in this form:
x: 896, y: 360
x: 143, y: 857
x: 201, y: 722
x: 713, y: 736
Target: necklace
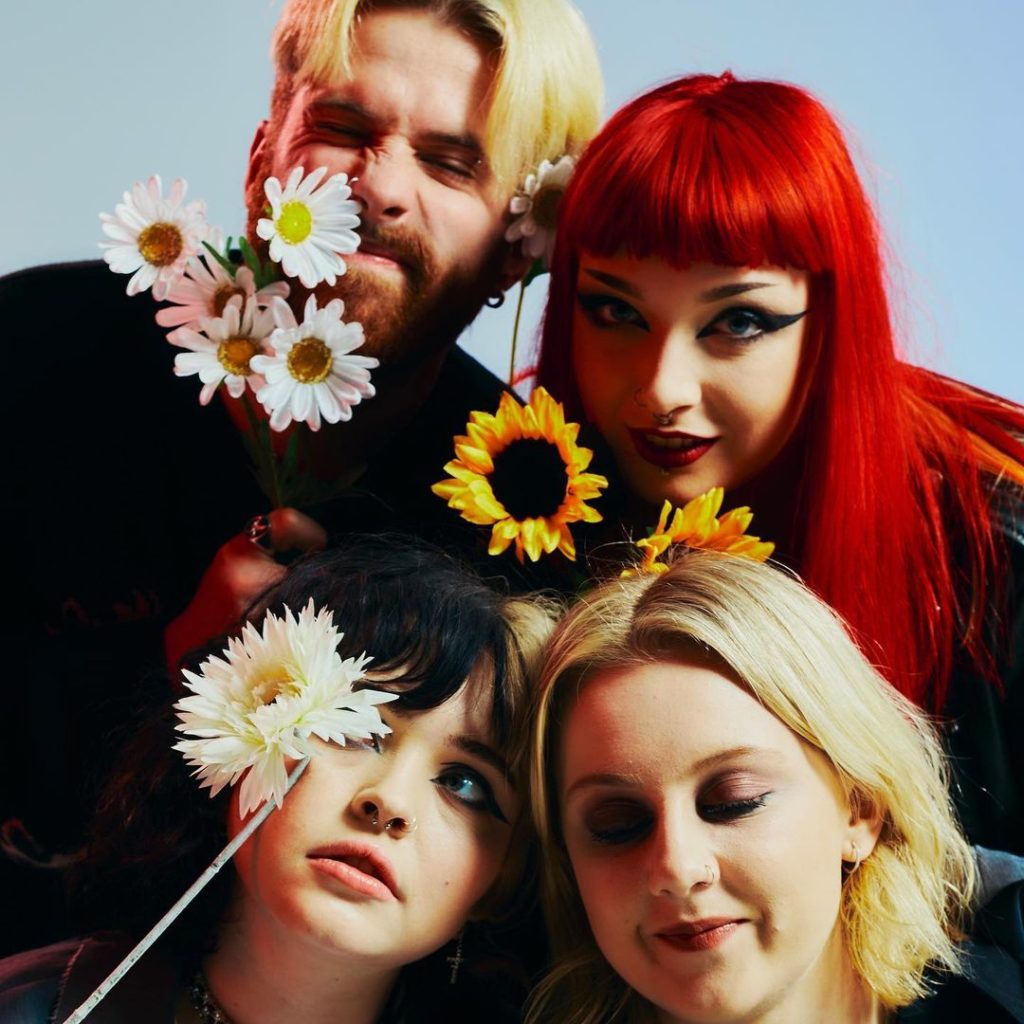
x: 203, y: 1003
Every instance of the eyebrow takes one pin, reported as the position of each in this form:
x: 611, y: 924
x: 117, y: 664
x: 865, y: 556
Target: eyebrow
x: 467, y: 140
x: 629, y: 780
x: 722, y: 291
x: 479, y: 749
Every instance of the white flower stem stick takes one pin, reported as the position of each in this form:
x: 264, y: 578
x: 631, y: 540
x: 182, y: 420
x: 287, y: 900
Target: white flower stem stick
x: 193, y: 890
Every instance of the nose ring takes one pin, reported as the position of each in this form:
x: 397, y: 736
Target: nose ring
x: 661, y: 419
x: 397, y: 824
x: 712, y: 874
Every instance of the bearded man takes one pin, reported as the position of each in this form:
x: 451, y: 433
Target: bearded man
x: 436, y: 110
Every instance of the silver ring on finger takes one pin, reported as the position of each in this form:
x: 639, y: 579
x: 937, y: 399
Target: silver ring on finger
x: 257, y: 531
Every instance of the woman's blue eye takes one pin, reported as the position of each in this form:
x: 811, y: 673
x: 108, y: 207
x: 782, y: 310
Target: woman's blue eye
x: 469, y: 788
x: 745, y: 323
x: 608, y: 311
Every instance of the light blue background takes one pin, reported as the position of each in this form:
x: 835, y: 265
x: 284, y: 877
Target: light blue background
x: 98, y: 94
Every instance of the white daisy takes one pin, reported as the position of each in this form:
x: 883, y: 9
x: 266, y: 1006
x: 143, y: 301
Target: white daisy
x: 536, y: 208
x: 222, y: 352
x: 153, y: 237
x: 311, y: 373
x: 262, y: 701
x: 205, y: 288
x: 310, y: 228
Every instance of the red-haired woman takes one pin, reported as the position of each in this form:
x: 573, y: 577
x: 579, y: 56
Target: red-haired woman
x: 718, y: 313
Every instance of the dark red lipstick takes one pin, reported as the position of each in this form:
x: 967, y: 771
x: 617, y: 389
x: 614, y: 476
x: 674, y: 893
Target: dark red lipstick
x: 669, y: 449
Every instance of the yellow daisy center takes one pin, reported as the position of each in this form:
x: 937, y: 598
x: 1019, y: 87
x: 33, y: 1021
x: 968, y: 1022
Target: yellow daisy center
x: 235, y: 353
x: 545, y: 204
x: 222, y: 296
x: 161, y: 243
x: 295, y: 222
x: 310, y: 361
x: 529, y: 479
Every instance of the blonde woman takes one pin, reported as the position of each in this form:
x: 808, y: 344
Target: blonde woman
x: 742, y: 821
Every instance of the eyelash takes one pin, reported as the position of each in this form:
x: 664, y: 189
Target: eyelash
x: 357, y: 138
x: 714, y: 813
x: 487, y: 801
x: 607, y: 312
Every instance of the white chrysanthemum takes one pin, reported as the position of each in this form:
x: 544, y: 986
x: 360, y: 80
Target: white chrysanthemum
x: 536, y: 208
x: 205, y: 288
x: 153, y: 237
x: 311, y: 373
x: 222, y: 352
x: 262, y: 701
x: 310, y: 228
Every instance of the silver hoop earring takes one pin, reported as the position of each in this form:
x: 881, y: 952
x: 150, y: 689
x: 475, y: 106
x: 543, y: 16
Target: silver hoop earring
x: 857, y: 858
x: 496, y: 301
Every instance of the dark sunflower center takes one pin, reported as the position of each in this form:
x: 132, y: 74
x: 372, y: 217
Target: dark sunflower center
x: 529, y: 479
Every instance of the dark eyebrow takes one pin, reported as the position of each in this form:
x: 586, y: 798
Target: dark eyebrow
x: 349, y: 106
x: 726, y: 291
x: 612, y: 281
x: 722, y: 291
x: 629, y: 780
x: 487, y: 754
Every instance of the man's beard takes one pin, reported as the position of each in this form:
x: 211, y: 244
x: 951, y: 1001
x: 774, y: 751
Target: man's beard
x: 416, y: 313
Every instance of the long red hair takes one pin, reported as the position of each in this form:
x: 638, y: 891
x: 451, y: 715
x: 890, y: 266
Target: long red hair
x: 891, y: 518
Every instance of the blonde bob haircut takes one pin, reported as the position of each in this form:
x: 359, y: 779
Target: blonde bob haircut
x: 903, y: 909
x: 547, y: 90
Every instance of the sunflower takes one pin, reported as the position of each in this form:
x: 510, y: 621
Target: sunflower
x: 521, y: 472
x: 696, y: 525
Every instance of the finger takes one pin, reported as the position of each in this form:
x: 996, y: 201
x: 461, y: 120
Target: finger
x: 292, y: 530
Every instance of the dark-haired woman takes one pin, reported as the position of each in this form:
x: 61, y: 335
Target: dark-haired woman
x: 355, y: 899
x: 718, y: 312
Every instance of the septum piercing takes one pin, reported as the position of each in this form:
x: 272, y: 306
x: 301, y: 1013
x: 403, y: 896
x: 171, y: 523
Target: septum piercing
x: 661, y: 419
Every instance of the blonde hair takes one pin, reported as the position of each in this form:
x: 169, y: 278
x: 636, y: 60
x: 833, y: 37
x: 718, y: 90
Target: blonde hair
x: 547, y: 92
x: 903, y: 909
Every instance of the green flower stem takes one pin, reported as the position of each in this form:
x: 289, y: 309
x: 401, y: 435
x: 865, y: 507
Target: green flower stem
x: 193, y: 890
x: 264, y: 456
x: 515, y: 334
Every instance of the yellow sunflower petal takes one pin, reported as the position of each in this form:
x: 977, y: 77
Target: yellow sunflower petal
x: 477, y: 459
